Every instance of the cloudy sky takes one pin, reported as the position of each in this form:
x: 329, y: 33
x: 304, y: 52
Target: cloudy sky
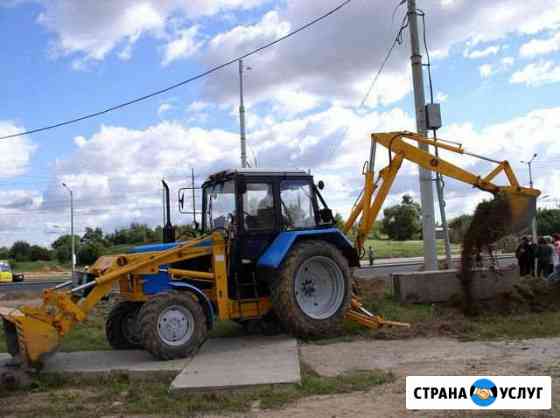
x: 496, y: 71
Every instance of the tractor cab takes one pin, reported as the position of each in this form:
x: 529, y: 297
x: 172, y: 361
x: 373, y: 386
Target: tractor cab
x: 255, y: 205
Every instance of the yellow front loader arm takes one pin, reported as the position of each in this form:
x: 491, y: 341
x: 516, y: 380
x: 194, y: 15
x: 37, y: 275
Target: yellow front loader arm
x: 375, y: 191
x: 33, y: 333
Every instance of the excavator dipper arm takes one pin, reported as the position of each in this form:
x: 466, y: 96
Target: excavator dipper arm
x: 522, y: 199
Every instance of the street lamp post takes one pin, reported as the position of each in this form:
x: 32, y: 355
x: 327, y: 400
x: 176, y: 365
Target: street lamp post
x: 72, y: 227
x: 530, y: 166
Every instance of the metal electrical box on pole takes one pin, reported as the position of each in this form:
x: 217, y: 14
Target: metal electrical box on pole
x: 426, y: 188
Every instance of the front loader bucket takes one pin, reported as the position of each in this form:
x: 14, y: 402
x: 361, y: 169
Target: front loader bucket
x: 30, y: 341
x: 523, y: 210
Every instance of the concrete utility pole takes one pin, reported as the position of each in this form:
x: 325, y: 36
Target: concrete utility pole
x: 534, y: 222
x: 426, y: 187
x: 72, y: 227
x: 242, y: 118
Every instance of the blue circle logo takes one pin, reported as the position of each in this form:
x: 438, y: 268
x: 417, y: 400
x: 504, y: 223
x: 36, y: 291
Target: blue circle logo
x: 484, y: 392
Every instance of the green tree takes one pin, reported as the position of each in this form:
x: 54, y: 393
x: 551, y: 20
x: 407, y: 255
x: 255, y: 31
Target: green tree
x: 4, y: 253
x: 402, y: 222
x: 63, y: 247
x: 94, y: 235
x: 90, y: 252
x: 458, y: 228
x: 548, y: 221
x: 20, y: 251
x: 39, y: 253
x: 339, y: 221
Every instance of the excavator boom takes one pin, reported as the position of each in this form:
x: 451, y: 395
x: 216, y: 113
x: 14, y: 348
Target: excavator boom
x: 522, y: 199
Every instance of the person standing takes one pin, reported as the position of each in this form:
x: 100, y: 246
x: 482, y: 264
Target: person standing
x: 522, y: 255
x: 532, y: 255
x: 554, y: 257
x: 544, y: 258
x: 556, y: 274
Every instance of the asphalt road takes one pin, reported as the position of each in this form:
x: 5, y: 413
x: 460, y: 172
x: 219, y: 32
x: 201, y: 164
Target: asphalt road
x: 383, y: 267
x: 29, y: 286
x: 386, y: 267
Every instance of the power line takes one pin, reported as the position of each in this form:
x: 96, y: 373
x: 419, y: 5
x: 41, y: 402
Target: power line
x: 397, y: 41
x: 181, y: 83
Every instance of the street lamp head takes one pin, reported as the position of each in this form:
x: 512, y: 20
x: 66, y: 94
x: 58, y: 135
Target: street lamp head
x: 64, y: 185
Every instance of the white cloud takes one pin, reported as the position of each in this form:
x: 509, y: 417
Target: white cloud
x: 292, y: 101
x: 335, y: 61
x: 198, y: 106
x: 537, y: 74
x: 482, y: 53
x: 92, y: 29
x: 540, y: 46
x: 486, y: 70
x: 112, y: 191
x: 15, y: 152
x: 183, y: 46
x: 164, y: 108
x: 507, y: 61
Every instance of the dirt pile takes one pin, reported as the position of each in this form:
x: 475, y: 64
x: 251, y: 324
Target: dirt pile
x: 492, y: 220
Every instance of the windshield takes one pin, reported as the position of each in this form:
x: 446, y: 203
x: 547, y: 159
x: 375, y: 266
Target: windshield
x: 4, y: 268
x: 297, y: 204
x: 220, y: 204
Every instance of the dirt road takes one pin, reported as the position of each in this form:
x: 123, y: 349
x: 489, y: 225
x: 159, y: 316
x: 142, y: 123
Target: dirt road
x: 434, y: 356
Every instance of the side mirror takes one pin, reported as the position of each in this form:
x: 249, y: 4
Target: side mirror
x: 321, y: 185
x: 187, y: 204
x: 326, y: 216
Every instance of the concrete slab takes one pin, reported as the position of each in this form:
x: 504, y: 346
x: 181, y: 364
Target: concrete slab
x: 238, y: 363
x: 440, y: 286
x: 134, y: 363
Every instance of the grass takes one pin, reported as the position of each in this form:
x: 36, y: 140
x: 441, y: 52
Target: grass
x: 425, y: 320
x: 39, y: 266
x: 398, y: 249
x: 531, y: 325
x: 89, y: 335
x: 55, y: 396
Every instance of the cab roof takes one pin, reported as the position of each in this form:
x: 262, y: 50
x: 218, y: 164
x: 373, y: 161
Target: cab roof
x: 256, y: 172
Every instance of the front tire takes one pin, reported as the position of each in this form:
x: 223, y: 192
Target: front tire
x: 172, y: 325
x: 121, y: 327
x: 312, y: 290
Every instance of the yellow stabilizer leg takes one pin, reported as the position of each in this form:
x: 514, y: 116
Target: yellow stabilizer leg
x: 30, y: 340
x: 360, y: 315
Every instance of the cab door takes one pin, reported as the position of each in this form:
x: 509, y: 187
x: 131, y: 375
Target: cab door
x: 258, y: 217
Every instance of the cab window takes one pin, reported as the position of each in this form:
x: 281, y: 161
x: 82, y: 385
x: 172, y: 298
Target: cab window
x: 297, y: 204
x: 258, y: 206
x: 220, y: 205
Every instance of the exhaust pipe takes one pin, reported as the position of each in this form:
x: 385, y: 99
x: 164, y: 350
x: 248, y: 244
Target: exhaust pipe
x: 168, y: 230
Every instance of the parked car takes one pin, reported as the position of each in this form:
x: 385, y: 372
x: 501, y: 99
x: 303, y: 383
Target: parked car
x: 7, y: 275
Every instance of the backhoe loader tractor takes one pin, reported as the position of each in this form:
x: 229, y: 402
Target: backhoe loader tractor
x: 268, y: 256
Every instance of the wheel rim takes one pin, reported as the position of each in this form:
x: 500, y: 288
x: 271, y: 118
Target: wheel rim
x: 319, y: 287
x: 175, y: 325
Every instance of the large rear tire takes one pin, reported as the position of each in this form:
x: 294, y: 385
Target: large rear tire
x: 121, y: 327
x: 312, y: 290
x: 172, y: 325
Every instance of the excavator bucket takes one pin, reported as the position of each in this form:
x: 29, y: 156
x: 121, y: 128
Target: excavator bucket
x: 30, y: 340
x: 523, y: 210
